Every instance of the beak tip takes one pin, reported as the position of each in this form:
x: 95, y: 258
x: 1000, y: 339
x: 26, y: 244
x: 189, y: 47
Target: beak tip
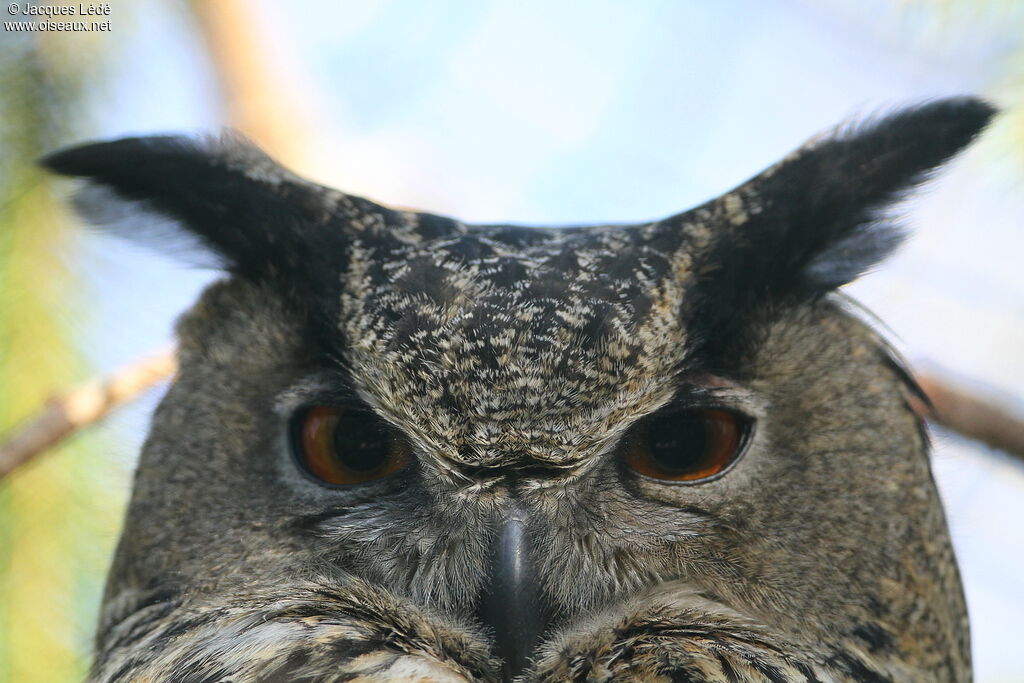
x: 512, y: 605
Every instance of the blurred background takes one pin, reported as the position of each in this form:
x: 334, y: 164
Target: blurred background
x: 492, y: 110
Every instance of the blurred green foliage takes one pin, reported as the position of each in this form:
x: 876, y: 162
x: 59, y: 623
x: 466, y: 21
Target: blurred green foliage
x: 58, y: 518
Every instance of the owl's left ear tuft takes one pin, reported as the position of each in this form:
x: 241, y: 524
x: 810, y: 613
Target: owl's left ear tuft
x: 821, y: 219
x: 850, y: 180
x: 817, y: 220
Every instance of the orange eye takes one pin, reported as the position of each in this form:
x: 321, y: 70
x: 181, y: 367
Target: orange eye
x: 688, y: 445
x: 343, y: 446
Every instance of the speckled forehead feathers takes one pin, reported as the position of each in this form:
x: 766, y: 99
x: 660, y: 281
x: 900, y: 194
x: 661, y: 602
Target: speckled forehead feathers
x: 505, y: 343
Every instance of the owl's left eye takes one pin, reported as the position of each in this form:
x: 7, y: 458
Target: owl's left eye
x: 343, y: 446
x: 687, y: 446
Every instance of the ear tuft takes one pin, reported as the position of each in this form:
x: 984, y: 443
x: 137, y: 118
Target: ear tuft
x: 832, y: 196
x: 880, y: 162
x: 817, y: 220
x: 138, y: 221
x: 254, y: 215
x: 851, y: 256
x: 820, y: 214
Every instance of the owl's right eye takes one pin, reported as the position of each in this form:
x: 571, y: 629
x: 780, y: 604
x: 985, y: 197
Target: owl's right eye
x: 343, y: 446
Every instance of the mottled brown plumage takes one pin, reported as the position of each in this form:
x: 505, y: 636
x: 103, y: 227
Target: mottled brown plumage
x: 517, y: 367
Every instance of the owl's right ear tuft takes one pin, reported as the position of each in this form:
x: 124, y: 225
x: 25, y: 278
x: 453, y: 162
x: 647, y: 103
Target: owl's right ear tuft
x: 257, y: 218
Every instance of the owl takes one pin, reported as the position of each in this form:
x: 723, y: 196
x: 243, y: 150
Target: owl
x: 402, y: 447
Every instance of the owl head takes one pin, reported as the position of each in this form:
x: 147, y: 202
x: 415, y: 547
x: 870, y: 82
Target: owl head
x: 404, y: 447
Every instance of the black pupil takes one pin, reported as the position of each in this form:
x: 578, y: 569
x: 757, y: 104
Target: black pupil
x: 678, y: 442
x: 360, y: 443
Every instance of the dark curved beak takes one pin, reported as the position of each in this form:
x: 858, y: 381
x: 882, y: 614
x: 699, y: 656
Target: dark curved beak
x: 512, y: 603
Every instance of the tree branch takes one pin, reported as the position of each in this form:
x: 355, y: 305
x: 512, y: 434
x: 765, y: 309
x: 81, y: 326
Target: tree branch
x: 974, y: 417
x: 261, y: 89
x: 81, y: 406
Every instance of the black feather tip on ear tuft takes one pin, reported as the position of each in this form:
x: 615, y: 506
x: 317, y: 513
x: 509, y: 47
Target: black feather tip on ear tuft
x: 816, y: 220
x: 824, y: 208
x: 257, y: 218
